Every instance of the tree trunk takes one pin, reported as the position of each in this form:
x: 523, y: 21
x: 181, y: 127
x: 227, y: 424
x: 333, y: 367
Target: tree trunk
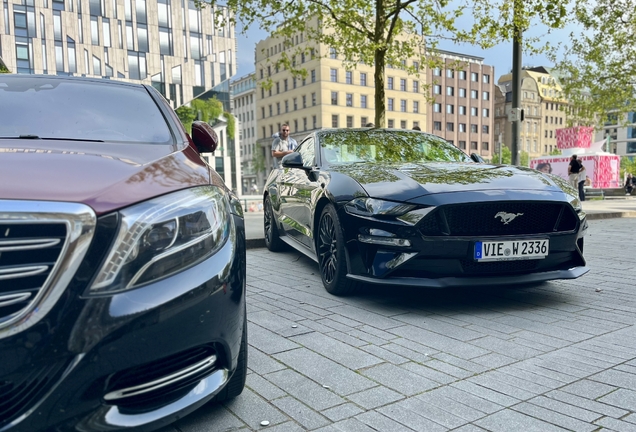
x: 378, y: 78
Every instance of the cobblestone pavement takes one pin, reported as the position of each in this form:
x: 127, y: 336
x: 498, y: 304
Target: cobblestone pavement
x: 558, y: 356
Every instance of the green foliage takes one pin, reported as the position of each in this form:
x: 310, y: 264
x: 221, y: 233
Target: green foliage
x: 506, y: 155
x: 384, y: 33
x: 524, y: 159
x: 628, y: 165
x: 187, y: 115
x: 231, y: 124
x: 205, y: 110
x: 598, y: 73
x: 555, y: 152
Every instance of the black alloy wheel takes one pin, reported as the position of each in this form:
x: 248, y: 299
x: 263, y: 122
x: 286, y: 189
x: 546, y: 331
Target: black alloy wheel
x: 272, y: 238
x: 331, y: 254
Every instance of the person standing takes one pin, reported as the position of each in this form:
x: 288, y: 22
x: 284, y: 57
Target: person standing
x: 630, y: 183
x: 573, y: 171
x: 282, y: 145
x: 581, y: 181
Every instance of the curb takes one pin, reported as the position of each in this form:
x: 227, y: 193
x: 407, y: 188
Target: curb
x: 257, y: 243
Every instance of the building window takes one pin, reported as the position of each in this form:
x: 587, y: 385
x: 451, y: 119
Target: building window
x: 402, y: 85
x: 437, y: 89
x: 349, y: 121
x: 334, y: 120
x: 348, y: 77
x: 313, y: 99
x: 285, y: 84
x: 364, y: 121
x: 416, y: 86
x: 313, y: 76
x: 462, y: 145
x: 389, y: 83
x: 390, y: 106
x: 450, y: 73
x: 402, y: 124
x: 349, y: 99
x: 391, y: 124
x: 474, y: 76
x: 437, y: 72
x: 278, y: 108
x: 416, y: 124
x: 304, y: 123
x: 462, y: 76
x: 334, y: 98
x: 314, y: 121
x: 450, y: 127
x: 437, y: 107
x: 295, y: 101
x: 304, y: 101
x: 473, y: 145
x: 485, y: 129
x: 450, y: 91
x: 473, y: 111
x: 363, y: 101
x: 462, y: 127
x: 271, y: 111
x: 474, y: 94
x: 450, y: 109
x: 334, y: 75
x: 486, y: 78
x: 277, y: 87
x: 437, y: 126
x: 486, y: 95
x: 416, y: 107
x: 403, y: 105
x: 485, y: 112
x: 462, y: 92
x: 286, y: 106
x: 473, y: 128
x: 363, y: 79
x: 333, y: 53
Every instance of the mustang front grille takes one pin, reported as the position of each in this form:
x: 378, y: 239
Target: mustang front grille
x: 41, y: 246
x: 499, y: 219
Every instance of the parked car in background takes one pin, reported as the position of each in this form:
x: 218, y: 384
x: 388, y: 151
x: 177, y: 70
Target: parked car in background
x: 397, y: 207
x: 122, y: 260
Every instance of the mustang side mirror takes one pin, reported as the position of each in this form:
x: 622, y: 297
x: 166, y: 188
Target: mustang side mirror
x: 293, y: 160
x: 475, y: 157
x: 204, y: 137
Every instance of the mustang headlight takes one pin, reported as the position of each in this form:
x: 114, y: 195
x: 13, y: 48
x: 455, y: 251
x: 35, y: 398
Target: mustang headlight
x: 162, y: 236
x: 376, y: 207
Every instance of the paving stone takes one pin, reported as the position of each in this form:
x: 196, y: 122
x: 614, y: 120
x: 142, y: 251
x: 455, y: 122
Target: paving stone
x: 411, y: 350
x: 554, y: 417
x: 277, y: 324
x: 427, y: 372
x: 339, y: 352
x: 449, y: 369
x: 384, y: 354
x: 469, y: 428
x: 465, y: 398
x: 434, y: 325
x: 616, y: 425
x: 263, y: 387
x: 315, y: 300
x: 485, y: 393
x: 300, y: 413
x: 260, y: 362
x: 621, y: 398
x: 386, y: 336
x: 342, y: 412
x: 350, y: 425
x: 289, y: 426
x: 588, y: 389
x: 268, y: 341
x: 439, y: 342
x: 506, y: 421
x: 335, y: 325
x: 567, y: 409
x: 252, y: 410
x: 494, y: 360
x: 347, y: 339
x: 375, y: 397
x: 399, y: 379
x: 410, y: 419
x: 379, y: 422
x: 507, y: 348
x: 339, y: 378
x: 501, y: 383
x: 587, y: 404
x: 366, y: 337
x: 616, y: 378
x: 210, y: 418
x: 435, y: 399
x: 305, y: 390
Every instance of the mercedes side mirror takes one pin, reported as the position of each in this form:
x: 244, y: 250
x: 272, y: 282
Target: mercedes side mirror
x: 204, y: 138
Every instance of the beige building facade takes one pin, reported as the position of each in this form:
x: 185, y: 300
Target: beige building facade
x: 329, y: 96
x: 544, y: 111
x: 464, y: 99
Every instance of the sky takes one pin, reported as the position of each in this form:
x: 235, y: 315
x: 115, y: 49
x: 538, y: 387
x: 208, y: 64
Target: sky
x: 499, y: 56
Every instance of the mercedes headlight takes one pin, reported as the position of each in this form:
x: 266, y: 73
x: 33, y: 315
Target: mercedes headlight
x: 376, y: 207
x: 163, y: 236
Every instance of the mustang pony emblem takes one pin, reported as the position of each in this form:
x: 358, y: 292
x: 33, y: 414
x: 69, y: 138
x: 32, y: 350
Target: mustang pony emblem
x: 506, y: 218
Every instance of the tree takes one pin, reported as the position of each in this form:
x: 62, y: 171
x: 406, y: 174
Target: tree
x: 506, y: 155
x: 386, y: 32
x: 599, y: 73
x: 205, y: 110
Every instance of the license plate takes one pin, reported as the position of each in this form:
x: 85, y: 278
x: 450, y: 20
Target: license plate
x: 511, y: 250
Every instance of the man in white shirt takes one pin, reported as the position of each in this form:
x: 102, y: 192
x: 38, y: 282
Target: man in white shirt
x: 282, y: 145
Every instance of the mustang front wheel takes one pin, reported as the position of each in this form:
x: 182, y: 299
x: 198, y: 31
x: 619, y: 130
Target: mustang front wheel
x: 331, y: 254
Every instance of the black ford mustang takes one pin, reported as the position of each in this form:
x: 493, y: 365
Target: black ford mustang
x: 398, y: 207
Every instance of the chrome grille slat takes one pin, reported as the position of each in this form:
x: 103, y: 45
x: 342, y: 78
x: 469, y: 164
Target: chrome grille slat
x: 41, y: 246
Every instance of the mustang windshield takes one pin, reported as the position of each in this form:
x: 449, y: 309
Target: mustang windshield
x: 387, y: 146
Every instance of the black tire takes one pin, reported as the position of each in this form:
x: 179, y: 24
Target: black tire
x: 272, y: 238
x: 235, y: 385
x: 332, y: 259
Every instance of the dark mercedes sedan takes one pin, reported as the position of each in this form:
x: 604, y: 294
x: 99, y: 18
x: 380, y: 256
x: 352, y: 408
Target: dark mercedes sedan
x: 122, y: 260
x: 397, y: 207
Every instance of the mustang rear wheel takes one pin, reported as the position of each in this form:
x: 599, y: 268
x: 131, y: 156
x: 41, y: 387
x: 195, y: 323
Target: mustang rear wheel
x: 272, y: 239
x: 331, y: 254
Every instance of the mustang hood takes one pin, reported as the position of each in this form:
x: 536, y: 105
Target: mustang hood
x: 104, y: 176
x: 407, y: 181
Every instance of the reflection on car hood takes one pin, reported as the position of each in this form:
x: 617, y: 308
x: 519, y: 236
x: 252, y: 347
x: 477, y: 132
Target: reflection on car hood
x: 406, y: 181
x: 104, y: 176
